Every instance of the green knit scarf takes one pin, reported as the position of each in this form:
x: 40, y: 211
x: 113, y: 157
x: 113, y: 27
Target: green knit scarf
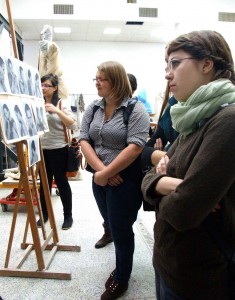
x: 202, y: 104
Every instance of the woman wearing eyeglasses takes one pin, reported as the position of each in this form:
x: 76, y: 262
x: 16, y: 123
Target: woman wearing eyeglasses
x: 54, y: 147
x: 193, y: 185
x: 115, y: 159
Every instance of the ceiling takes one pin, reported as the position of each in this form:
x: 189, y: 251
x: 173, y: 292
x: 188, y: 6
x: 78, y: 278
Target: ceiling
x: 91, y: 30
x: 90, y: 17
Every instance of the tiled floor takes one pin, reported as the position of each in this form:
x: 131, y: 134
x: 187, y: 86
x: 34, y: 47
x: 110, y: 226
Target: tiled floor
x: 89, y: 268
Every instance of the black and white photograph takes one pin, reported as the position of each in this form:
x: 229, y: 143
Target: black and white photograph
x: 19, y: 78
x: 38, y: 88
x: 22, y: 81
x: 4, y: 85
x: 30, y: 83
x: 8, y: 122
x: 33, y: 151
x: 30, y: 121
x: 44, y: 117
x: 21, y: 119
x: 39, y: 110
x: 12, y: 76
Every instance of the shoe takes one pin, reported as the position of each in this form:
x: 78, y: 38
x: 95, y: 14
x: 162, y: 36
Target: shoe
x: 68, y: 222
x: 106, y: 238
x: 114, y: 291
x: 39, y: 224
x: 109, y: 280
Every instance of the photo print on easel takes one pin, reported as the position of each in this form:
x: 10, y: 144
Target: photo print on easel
x: 22, y: 106
x: 40, y: 116
x: 12, y: 75
x: 19, y: 78
x: 32, y: 81
x: 33, y: 151
x: 21, y: 119
x: 22, y: 81
x: 4, y: 84
x: 9, y: 127
x: 30, y: 120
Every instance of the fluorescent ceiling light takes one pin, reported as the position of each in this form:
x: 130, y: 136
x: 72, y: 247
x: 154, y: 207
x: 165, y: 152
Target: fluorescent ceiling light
x: 112, y: 30
x: 62, y: 29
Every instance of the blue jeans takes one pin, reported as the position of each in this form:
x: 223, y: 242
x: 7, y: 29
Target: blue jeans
x: 163, y: 292
x: 119, y: 208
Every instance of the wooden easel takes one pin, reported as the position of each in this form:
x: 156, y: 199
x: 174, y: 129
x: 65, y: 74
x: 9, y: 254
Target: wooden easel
x: 37, y: 246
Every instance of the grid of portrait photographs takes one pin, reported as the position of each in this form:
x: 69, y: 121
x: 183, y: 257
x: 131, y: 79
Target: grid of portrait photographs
x: 19, y: 78
x: 22, y: 108
x: 22, y: 118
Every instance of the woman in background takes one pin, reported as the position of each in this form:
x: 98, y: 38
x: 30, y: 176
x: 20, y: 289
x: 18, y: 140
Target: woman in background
x: 55, y: 147
x: 163, y: 137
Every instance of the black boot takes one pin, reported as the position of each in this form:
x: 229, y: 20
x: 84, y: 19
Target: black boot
x: 45, y: 219
x: 68, y: 222
x: 106, y: 238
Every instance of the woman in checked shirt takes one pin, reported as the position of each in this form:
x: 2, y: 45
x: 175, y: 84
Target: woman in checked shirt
x: 115, y: 156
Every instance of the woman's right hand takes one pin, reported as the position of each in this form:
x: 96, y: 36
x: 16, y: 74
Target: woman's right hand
x: 158, y: 145
x: 162, y: 165
x: 115, y: 180
x: 166, y: 184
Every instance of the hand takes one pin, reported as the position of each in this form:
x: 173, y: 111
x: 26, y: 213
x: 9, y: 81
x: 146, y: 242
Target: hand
x: 115, y: 180
x: 162, y: 165
x: 158, y: 144
x: 51, y: 108
x: 43, y: 46
x: 100, y: 179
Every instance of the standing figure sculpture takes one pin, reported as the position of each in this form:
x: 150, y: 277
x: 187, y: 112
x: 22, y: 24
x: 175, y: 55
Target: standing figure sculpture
x: 50, y: 59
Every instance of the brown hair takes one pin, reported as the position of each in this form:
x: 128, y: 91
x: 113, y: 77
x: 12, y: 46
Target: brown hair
x: 165, y: 102
x: 207, y: 44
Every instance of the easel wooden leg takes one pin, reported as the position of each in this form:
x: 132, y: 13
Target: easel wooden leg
x: 37, y: 274
x: 44, y: 183
x: 13, y: 226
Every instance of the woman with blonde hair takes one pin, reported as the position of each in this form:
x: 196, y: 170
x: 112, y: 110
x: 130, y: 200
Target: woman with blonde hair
x: 112, y: 148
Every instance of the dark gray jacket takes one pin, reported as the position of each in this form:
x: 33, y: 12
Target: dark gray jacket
x: 185, y: 255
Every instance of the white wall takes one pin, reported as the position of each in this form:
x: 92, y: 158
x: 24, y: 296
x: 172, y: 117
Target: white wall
x: 80, y: 61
